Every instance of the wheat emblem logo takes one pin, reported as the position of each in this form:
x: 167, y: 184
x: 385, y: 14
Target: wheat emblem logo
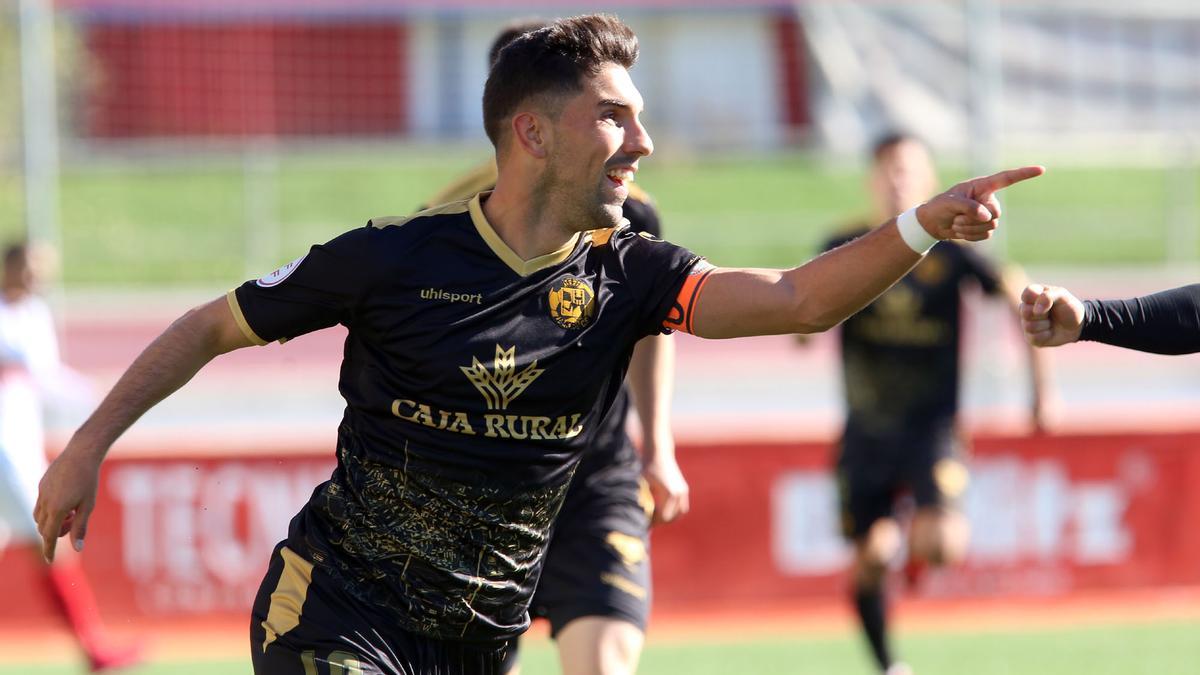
x: 503, y: 384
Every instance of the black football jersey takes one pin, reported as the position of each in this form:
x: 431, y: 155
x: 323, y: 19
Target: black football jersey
x: 473, y: 381
x: 610, y: 447
x: 900, y: 354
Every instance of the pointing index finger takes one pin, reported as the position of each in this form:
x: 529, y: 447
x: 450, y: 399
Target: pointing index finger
x: 1003, y: 179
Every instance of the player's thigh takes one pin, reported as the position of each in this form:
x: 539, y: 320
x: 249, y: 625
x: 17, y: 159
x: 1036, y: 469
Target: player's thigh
x: 303, y: 623
x: 511, y: 664
x: 292, y: 628
x: 598, y: 562
x: 935, y: 467
x: 938, y: 475
x: 866, y: 489
x: 600, y: 646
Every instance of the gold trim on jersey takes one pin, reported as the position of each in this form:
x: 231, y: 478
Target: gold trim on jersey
x: 231, y: 298
x: 287, y: 600
x: 447, y: 209
x: 506, y: 254
x: 602, y: 236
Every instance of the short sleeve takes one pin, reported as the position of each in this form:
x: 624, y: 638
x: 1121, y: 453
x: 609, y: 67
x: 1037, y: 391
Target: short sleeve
x: 319, y: 289
x: 655, y: 270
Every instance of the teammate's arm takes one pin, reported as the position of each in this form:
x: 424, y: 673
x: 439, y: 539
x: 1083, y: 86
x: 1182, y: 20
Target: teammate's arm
x: 650, y: 381
x: 823, y: 292
x: 1167, y: 322
x: 67, y: 492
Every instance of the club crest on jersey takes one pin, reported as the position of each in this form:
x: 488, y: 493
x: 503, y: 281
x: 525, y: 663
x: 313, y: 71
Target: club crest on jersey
x: 275, y: 278
x: 572, y: 303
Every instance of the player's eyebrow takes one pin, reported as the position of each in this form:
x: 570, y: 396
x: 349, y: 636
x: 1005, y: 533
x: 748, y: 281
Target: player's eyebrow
x: 614, y: 103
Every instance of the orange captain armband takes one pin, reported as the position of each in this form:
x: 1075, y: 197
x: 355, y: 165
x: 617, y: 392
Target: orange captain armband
x: 684, y: 310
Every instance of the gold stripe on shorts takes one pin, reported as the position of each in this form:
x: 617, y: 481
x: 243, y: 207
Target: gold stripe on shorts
x: 287, y: 600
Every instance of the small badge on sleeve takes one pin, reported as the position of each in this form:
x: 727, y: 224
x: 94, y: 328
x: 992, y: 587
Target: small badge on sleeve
x: 277, y: 277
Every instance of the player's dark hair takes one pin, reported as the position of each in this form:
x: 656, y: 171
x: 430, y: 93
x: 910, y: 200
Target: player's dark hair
x: 553, y: 61
x: 511, y: 31
x: 16, y: 253
x: 890, y: 140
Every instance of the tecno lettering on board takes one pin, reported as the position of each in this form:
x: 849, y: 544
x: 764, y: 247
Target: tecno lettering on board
x: 196, y: 536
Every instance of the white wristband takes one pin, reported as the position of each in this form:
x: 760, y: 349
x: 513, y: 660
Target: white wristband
x: 913, y: 233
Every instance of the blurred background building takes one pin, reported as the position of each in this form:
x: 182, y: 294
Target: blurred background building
x: 94, y: 90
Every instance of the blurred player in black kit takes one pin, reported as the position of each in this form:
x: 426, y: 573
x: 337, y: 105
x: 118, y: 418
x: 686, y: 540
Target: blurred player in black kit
x: 466, y: 421
x: 595, y: 585
x: 900, y: 368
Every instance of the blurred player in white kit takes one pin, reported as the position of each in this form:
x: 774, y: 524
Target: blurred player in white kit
x: 30, y: 374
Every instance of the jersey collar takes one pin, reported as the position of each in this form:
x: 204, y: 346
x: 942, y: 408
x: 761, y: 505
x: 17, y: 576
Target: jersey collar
x: 506, y: 254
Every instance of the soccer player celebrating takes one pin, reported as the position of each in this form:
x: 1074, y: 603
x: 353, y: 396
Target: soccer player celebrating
x: 595, y: 583
x: 900, y: 369
x: 487, y: 339
x: 1167, y: 322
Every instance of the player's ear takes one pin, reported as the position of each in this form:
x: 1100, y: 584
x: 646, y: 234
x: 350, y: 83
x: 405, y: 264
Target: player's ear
x: 531, y: 133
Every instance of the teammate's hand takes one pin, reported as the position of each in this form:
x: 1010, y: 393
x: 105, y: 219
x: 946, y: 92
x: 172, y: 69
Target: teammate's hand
x: 1050, y: 315
x: 66, y: 497
x: 667, y: 486
x: 970, y: 209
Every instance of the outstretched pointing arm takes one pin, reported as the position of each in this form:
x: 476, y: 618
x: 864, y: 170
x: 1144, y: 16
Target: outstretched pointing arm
x: 826, y: 290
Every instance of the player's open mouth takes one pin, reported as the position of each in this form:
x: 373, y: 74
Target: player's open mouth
x: 620, y: 176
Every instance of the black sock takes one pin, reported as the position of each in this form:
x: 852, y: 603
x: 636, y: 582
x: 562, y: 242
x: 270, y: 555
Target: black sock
x: 870, y: 605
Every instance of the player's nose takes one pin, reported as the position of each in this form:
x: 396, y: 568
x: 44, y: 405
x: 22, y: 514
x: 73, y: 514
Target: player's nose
x: 638, y: 141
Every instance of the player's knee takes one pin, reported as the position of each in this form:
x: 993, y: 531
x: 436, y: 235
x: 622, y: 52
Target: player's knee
x: 600, y: 646
x: 939, y: 537
x: 620, y: 650
x: 880, y: 545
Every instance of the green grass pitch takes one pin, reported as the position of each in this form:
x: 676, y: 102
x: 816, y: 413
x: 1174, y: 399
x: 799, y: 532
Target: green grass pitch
x: 1155, y: 648
x: 170, y: 222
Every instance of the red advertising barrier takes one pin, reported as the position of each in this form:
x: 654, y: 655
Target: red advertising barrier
x: 178, y: 537
x: 1049, y: 515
